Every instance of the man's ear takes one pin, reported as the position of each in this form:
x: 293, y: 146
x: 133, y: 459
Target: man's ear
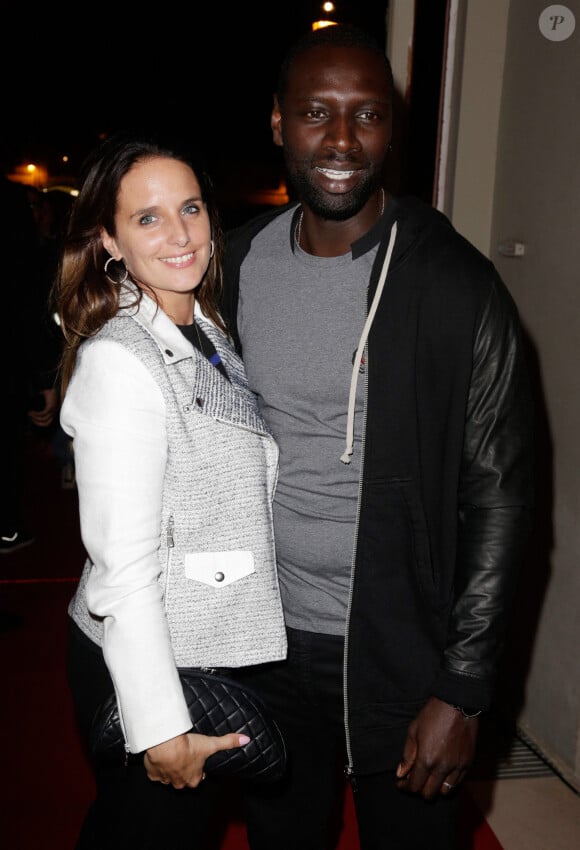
x: 276, y: 123
x: 110, y: 245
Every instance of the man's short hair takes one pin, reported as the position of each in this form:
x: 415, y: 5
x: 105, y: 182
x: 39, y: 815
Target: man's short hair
x: 340, y: 35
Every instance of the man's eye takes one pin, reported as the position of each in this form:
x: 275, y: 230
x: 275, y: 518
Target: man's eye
x: 146, y: 219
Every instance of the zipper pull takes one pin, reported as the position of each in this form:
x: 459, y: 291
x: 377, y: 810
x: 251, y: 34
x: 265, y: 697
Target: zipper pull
x: 350, y: 777
x: 170, y: 541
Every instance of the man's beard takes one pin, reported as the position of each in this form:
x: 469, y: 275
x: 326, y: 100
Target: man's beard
x: 333, y: 207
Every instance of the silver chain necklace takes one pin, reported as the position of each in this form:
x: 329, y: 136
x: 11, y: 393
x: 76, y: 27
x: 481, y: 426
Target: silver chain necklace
x: 298, y: 230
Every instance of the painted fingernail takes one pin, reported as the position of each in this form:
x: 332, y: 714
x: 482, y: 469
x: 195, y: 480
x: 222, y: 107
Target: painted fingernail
x: 243, y: 739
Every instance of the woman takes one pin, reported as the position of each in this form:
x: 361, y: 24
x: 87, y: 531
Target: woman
x: 175, y: 473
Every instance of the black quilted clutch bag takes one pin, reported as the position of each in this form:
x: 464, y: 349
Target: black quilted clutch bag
x: 217, y: 705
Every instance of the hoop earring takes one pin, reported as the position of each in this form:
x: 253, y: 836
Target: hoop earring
x: 112, y: 279
x: 211, y: 248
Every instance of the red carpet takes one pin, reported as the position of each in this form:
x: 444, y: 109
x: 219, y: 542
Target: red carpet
x: 46, y: 783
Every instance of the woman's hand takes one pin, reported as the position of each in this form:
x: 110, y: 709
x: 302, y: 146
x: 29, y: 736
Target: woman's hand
x: 181, y: 760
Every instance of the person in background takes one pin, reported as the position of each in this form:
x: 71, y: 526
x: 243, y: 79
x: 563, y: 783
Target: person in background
x: 51, y: 210
x: 28, y: 369
x: 387, y: 357
x: 173, y: 462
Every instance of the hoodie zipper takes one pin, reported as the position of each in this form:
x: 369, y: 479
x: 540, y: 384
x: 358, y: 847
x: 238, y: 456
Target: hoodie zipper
x: 362, y: 349
x: 349, y: 767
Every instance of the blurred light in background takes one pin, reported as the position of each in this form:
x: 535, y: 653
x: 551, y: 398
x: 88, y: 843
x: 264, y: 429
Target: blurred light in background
x: 327, y: 10
x: 30, y: 174
x: 37, y: 175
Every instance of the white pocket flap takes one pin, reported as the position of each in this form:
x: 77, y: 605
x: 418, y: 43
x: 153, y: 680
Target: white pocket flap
x: 218, y: 569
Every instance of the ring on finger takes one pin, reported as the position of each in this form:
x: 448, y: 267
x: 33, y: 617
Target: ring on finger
x: 448, y: 785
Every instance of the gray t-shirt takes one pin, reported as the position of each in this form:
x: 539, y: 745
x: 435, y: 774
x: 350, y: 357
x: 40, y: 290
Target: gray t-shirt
x: 300, y: 319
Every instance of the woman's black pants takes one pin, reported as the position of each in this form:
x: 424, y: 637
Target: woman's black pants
x: 130, y: 812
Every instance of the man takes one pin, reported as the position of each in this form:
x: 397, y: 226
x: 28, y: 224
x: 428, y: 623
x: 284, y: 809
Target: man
x: 387, y: 357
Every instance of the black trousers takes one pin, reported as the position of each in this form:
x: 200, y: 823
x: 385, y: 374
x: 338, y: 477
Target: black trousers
x: 305, y: 810
x: 130, y: 812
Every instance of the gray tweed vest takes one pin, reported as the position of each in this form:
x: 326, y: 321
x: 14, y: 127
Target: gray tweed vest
x: 217, y: 563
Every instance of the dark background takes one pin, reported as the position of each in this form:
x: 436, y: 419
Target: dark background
x: 71, y: 73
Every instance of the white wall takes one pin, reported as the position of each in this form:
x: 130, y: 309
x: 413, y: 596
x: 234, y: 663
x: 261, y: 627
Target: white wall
x: 477, y: 106
x: 537, y: 201
x: 510, y: 166
x: 517, y: 178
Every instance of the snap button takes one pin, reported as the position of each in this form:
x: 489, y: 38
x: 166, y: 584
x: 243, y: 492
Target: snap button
x: 187, y: 407
x: 219, y: 577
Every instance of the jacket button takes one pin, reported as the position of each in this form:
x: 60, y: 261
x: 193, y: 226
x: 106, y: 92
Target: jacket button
x: 219, y: 577
x: 187, y: 407
x: 169, y: 352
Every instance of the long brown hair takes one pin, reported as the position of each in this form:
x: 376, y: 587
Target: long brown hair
x: 84, y: 297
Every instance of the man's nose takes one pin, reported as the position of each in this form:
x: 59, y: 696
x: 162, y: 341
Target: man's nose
x: 341, y: 134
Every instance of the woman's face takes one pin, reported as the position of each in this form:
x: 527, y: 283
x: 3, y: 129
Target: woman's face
x: 163, y: 232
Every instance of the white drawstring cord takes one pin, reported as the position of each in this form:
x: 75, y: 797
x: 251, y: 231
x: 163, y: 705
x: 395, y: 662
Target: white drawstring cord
x: 345, y: 457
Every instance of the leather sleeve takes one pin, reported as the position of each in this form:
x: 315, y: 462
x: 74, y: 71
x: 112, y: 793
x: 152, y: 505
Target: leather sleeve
x: 495, y: 501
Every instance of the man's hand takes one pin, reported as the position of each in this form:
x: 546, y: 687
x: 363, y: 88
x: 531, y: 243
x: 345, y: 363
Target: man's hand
x: 438, y: 751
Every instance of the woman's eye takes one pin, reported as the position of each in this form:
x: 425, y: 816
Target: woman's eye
x: 146, y: 219
x: 191, y: 209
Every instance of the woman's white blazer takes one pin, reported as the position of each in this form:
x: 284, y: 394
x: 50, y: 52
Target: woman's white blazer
x: 176, y: 471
